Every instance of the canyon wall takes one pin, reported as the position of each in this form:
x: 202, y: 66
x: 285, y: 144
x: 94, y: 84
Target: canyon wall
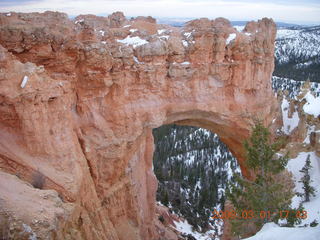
x: 79, y: 99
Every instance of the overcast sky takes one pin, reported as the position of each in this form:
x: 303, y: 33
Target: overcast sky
x: 292, y: 11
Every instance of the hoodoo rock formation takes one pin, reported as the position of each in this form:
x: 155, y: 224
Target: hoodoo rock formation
x: 78, y: 102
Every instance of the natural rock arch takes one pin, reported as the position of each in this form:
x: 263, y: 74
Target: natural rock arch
x: 85, y: 116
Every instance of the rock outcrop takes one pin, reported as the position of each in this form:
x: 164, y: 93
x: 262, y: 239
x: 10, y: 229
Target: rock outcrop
x: 79, y: 127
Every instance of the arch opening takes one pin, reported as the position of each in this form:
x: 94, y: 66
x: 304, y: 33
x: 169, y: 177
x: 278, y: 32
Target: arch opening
x: 193, y: 168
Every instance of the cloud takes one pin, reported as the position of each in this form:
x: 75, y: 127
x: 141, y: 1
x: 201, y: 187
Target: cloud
x: 13, y: 3
x: 283, y: 10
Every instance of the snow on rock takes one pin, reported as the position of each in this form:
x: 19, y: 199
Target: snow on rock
x: 310, y: 129
x: 312, y: 106
x: 183, y: 63
x: 134, y: 41
x: 185, y: 43
x: 24, y: 81
x: 231, y: 37
x: 272, y: 231
x: 166, y: 37
x: 126, y: 26
x: 79, y: 21
x: 133, y: 30
x: 288, y: 123
x: 239, y: 28
x: 136, y: 60
x: 160, y: 31
x: 187, y: 34
x: 102, y: 32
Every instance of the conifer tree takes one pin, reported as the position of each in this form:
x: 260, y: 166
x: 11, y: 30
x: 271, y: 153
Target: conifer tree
x: 165, y: 200
x: 264, y: 193
x: 306, y: 181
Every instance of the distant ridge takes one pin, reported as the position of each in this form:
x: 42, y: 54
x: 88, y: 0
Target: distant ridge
x: 179, y: 22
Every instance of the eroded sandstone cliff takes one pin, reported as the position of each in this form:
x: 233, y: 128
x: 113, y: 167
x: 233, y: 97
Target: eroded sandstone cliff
x: 93, y: 90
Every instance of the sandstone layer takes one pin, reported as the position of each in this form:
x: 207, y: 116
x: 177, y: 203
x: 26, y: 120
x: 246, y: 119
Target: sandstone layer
x: 78, y: 102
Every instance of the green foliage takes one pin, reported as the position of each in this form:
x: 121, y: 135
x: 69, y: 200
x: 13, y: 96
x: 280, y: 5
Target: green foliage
x: 260, y: 152
x: 264, y: 192
x: 314, y: 223
x: 165, y: 200
x: 291, y: 216
x: 306, y: 181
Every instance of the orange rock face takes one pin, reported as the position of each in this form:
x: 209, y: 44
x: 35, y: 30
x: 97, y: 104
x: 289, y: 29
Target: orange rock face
x: 79, y: 99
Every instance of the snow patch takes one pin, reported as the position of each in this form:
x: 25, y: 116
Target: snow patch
x: 79, y: 21
x: 183, y: 63
x: 186, y: 228
x: 160, y: 31
x: 133, y: 30
x: 312, y: 106
x: 134, y: 41
x: 231, y: 37
x: 24, y: 81
x: 310, y: 129
x: 166, y: 37
x: 8, y: 14
x: 185, y: 43
x: 239, y: 28
x: 288, y: 123
x: 187, y: 34
x: 136, y: 60
x: 272, y: 231
x: 125, y: 26
x: 102, y: 32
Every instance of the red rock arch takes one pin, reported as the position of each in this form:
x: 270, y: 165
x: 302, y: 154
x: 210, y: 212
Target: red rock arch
x: 85, y: 116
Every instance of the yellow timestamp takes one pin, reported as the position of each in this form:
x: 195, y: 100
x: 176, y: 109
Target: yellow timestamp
x: 250, y: 214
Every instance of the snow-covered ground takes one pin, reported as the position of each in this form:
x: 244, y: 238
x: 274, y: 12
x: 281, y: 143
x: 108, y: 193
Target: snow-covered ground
x: 185, y: 228
x: 289, y: 123
x: 312, y: 106
x: 272, y: 231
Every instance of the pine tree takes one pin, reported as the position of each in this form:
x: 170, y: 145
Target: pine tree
x: 263, y: 193
x: 165, y: 200
x: 306, y: 181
